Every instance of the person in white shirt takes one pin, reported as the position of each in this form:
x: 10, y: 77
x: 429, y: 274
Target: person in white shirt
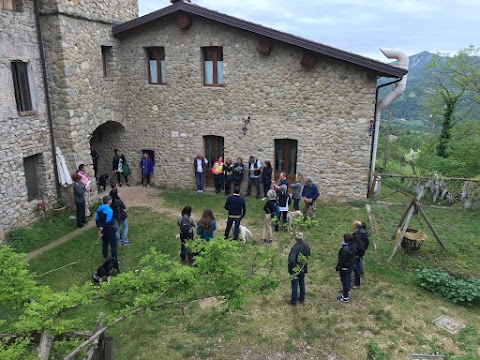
x: 255, y: 174
x: 199, y: 166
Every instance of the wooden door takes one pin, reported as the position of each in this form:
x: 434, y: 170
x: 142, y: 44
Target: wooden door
x: 214, y: 146
x: 286, y: 158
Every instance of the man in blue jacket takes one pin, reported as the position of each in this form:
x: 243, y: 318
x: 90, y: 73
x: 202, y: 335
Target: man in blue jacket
x: 237, y: 209
x: 106, y: 227
x: 310, y: 195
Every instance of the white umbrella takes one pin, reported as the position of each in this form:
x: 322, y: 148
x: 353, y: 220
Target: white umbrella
x: 64, y: 177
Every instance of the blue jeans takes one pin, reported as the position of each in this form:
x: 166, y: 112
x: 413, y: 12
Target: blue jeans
x: 345, y: 276
x: 200, y: 180
x: 118, y: 223
x: 109, y: 238
x: 236, y: 229
x: 357, y: 270
x: 298, y: 280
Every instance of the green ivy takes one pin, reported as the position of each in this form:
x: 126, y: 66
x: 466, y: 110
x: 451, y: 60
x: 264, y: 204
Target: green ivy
x: 453, y: 289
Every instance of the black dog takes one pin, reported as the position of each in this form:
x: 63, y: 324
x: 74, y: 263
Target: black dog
x: 102, y: 182
x: 105, y: 270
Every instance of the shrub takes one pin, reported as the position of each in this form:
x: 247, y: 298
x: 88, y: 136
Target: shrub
x: 374, y: 352
x: 453, y: 289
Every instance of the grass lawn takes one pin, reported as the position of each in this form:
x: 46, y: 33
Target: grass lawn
x: 389, y: 308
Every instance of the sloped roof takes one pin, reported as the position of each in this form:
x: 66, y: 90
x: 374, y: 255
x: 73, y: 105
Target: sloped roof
x: 380, y: 68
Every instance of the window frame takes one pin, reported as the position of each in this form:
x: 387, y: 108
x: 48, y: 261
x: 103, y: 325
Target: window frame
x: 106, y: 53
x: 24, y: 106
x: 215, y: 50
x: 285, y: 145
x: 14, y: 6
x: 159, y: 52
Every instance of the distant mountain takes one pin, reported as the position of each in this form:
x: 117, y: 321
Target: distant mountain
x: 410, y: 104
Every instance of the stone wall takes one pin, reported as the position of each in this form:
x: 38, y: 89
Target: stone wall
x: 327, y: 108
x: 21, y: 136
x: 82, y: 98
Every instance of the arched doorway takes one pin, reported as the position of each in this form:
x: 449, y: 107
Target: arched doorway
x: 104, y: 140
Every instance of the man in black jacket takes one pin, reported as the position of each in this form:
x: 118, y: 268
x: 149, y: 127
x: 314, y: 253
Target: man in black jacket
x: 345, y: 264
x: 297, y: 267
x: 236, y: 207
x: 362, y: 242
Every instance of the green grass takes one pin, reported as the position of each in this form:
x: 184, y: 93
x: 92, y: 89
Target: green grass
x: 26, y: 239
x: 389, y: 308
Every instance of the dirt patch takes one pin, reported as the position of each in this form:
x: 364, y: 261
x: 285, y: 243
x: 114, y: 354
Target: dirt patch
x: 137, y: 196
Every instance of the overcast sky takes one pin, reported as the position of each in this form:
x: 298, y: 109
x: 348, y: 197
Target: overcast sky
x: 360, y: 26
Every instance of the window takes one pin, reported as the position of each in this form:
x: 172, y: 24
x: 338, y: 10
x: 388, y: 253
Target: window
x: 106, y: 58
x: 8, y: 5
x: 286, y: 158
x: 24, y: 87
x: 157, y: 72
x: 213, y: 66
x: 32, y: 165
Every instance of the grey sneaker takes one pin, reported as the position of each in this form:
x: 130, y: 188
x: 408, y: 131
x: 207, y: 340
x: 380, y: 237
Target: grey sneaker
x: 342, y: 299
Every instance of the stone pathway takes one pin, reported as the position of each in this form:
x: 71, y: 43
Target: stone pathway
x: 133, y: 196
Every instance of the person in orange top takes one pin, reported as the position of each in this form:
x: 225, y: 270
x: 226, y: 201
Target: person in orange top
x: 217, y: 170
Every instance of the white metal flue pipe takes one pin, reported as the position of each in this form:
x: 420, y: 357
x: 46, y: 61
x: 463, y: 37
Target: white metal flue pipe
x: 400, y: 86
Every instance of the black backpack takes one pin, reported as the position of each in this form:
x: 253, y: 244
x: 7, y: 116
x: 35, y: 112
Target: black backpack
x: 185, y: 225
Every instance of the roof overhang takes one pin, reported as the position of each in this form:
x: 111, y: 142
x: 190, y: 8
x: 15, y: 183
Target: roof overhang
x: 377, y: 67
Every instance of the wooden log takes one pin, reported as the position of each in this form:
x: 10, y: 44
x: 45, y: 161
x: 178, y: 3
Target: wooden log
x: 184, y: 21
x: 109, y: 353
x: 402, y: 219
x: 402, y: 234
x: 308, y: 60
x: 420, y: 210
x: 264, y: 45
x: 426, y: 177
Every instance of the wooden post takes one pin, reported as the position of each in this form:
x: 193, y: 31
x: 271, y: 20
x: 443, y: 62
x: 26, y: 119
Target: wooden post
x: 402, y: 219
x: 404, y: 230
x: 109, y: 353
x: 420, y: 210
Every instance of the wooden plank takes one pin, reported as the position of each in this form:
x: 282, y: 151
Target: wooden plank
x: 372, y: 224
x: 402, y: 219
x: 420, y: 210
x: 426, y: 177
x: 402, y: 234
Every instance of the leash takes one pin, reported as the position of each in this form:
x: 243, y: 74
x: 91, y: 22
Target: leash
x: 93, y: 254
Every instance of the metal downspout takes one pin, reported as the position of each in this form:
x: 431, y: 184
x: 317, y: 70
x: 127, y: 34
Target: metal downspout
x: 374, y: 133
x: 47, y: 93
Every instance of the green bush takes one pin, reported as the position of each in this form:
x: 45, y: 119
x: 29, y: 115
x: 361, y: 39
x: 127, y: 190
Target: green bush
x: 453, y: 289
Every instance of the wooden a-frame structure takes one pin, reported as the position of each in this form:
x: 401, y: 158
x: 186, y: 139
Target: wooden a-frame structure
x: 407, y: 215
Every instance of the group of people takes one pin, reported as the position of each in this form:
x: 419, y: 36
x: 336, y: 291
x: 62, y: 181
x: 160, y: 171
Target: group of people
x: 121, y: 168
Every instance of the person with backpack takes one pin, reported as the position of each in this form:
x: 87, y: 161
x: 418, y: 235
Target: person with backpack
x: 255, y: 173
x: 270, y: 209
x: 345, y: 264
x: 186, y: 223
x: 106, y: 227
x: 228, y: 172
x: 238, y: 170
x: 361, y: 241
x: 237, y: 208
x: 119, y: 218
x: 283, y: 203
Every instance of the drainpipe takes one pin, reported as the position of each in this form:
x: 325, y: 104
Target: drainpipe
x: 47, y: 93
x: 403, y: 63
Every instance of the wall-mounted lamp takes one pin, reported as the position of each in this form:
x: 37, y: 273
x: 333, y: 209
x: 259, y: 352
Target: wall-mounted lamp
x: 245, y: 123
x: 370, y: 129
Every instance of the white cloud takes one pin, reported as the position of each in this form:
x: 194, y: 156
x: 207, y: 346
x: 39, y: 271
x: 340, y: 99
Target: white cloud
x: 360, y: 26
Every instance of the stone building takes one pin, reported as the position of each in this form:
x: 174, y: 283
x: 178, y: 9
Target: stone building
x: 182, y: 80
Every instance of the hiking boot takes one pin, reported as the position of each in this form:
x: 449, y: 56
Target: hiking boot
x: 342, y: 299
x: 289, y: 302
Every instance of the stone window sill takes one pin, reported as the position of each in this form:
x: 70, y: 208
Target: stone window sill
x: 214, y: 87
x: 156, y: 86
x: 28, y: 113
x: 108, y: 79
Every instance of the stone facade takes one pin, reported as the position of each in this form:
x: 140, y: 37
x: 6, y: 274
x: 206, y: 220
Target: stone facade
x: 25, y: 135
x: 327, y: 109
x: 325, y: 106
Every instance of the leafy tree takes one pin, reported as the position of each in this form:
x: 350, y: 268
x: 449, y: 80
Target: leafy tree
x: 43, y: 319
x: 453, y: 80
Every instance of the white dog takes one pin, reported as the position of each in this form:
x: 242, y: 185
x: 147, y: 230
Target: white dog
x: 292, y: 215
x: 245, y: 234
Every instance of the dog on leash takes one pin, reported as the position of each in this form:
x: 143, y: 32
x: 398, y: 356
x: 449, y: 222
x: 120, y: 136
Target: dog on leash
x: 102, y: 182
x: 105, y: 270
x: 245, y: 234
